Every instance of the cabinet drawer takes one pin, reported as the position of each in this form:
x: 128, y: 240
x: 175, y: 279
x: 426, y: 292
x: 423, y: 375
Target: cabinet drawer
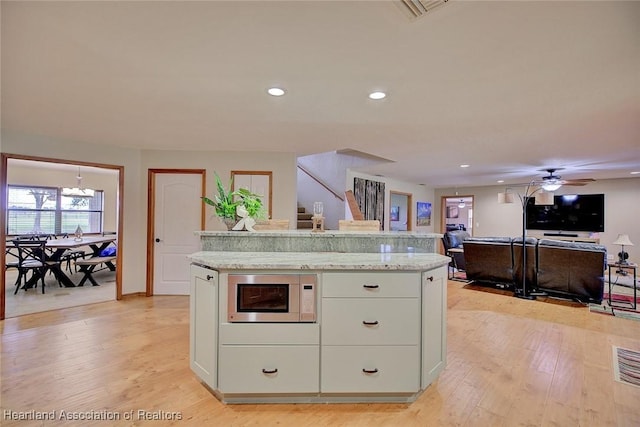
x: 269, y: 369
x: 392, y: 369
x: 390, y: 321
x: 371, y: 284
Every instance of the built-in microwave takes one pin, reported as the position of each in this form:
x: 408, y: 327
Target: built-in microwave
x: 271, y: 298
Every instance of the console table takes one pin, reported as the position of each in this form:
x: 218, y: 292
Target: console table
x: 624, y: 267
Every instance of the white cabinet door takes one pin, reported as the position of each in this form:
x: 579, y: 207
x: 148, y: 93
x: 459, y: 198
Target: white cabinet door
x: 203, y: 326
x: 434, y: 323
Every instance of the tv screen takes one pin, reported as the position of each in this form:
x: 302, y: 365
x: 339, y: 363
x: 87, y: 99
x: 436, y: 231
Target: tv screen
x: 571, y: 212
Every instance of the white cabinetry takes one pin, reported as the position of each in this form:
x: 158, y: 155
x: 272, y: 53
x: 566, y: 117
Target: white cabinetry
x: 434, y: 324
x: 370, y: 333
x: 203, y: 325
x: 380, y: 337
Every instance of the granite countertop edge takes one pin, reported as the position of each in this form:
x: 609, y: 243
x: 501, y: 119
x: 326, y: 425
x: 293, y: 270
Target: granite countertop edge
x: 325, y: 234
x: 319, y: 261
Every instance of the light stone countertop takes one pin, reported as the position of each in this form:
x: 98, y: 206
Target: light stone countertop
x: 318, y: 261
x: 325, y: 234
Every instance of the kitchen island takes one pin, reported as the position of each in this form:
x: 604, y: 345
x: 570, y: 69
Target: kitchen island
x: 379, y: 333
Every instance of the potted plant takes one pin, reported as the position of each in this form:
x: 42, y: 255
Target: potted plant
x: 226, y: 204
x: 252, y: 202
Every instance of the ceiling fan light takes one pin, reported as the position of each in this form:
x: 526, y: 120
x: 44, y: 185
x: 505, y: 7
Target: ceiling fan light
x: 550, y: 186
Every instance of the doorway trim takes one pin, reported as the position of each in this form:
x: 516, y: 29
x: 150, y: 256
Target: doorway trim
x: 151, y: 215
x: 443, y: 208
x: 409, y: 208
x: 4, y: 161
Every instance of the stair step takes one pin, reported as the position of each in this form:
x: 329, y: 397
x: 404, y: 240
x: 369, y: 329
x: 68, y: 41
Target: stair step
x: 301, y: 209
x: 304, y: 216
x: 304, y: 224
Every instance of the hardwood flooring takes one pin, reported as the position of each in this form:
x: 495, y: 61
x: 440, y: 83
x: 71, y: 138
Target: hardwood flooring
x: 511, y: 362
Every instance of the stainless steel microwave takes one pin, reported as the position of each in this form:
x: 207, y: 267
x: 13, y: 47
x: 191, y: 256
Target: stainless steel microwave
x: 271, y: 298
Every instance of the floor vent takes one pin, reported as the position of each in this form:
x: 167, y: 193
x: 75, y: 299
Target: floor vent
x: 417, y: 8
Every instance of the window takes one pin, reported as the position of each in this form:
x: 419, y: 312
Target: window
x: 45, y: 210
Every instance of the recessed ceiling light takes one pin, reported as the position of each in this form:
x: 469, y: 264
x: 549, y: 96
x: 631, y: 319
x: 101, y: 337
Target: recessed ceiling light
x: 377, y: 95
x: 500, y: 181
x: 275, y: 91
x: 635, y: 173
x: 464, y: 166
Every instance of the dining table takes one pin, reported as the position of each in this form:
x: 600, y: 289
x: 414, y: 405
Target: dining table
x: 57, y: 247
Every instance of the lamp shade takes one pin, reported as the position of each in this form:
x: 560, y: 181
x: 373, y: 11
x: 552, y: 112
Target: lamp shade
x: 505, y: 197
x: 544, y: 198
x: 623, y: 239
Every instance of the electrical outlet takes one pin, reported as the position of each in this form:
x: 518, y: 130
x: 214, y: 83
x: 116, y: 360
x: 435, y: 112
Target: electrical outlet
x: 609, y: 257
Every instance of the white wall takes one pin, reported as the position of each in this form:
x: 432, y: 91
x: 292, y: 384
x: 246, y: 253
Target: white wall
x: 420, y: 193
x: 622, y: 205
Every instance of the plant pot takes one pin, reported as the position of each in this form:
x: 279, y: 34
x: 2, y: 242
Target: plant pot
x: 229, y: 222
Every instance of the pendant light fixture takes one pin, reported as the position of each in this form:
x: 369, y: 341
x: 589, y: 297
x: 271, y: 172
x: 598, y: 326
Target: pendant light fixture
x: 78, y: 190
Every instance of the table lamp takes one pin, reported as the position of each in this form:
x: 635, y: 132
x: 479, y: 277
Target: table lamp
x: 623, y: 240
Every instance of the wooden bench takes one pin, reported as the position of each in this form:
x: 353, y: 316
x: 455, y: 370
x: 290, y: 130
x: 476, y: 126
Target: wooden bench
x: 89, y: 265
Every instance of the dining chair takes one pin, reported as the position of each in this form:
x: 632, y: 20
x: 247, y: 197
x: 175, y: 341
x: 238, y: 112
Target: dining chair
x: 31, y: 257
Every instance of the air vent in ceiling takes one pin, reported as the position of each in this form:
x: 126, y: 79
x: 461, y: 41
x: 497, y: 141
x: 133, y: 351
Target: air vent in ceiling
x: 421, y: 7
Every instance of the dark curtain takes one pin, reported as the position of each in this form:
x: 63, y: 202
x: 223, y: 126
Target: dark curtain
x: 370, y: 198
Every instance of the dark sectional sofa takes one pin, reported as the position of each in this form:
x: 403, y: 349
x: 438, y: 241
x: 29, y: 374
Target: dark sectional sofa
x: 555, y: 268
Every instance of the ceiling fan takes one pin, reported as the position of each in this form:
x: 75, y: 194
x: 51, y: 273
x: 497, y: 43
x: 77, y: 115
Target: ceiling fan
x: 552, y: 181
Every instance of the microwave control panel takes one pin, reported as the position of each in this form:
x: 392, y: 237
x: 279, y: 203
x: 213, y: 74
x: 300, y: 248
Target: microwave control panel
x: 308, y: 298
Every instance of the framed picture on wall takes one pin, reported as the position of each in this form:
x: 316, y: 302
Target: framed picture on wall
x: 395, y: 213
x: 423, y: 217
x: 452, y: 212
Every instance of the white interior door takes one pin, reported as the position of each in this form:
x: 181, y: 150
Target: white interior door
x: 177, y: 212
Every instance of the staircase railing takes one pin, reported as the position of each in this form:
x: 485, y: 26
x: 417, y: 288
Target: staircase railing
x: 319, y: 181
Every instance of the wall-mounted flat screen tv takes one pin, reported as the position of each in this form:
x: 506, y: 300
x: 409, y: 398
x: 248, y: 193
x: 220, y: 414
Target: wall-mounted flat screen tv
x: 571, y: 212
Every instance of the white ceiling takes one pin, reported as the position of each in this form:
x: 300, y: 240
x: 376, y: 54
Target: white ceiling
x: 507, y: 87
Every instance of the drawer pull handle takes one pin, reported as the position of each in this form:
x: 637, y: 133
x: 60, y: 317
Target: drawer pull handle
x: 370, y: 371
x: 371, y: 286
x: 209, y: 277
x: 269, y: 371
x: 430, y: 278
x: 375, y: 322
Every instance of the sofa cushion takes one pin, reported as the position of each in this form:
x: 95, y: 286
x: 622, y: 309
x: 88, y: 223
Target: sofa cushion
x: 454, y: 239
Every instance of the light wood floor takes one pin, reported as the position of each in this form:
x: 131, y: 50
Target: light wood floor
x: 511, y: 362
